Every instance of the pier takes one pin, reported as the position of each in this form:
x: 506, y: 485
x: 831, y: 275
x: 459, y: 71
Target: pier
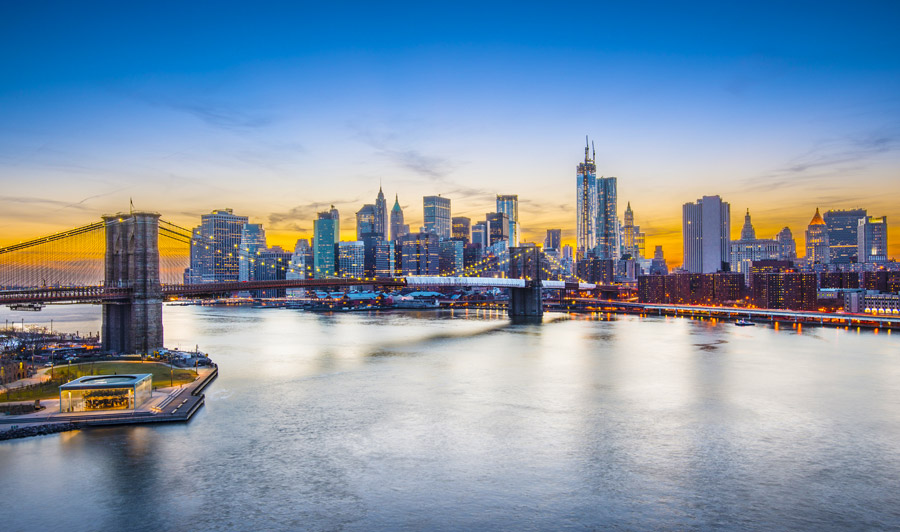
x: 179, y: 405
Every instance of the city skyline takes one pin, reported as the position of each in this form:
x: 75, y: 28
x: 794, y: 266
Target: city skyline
x: 271, y: 129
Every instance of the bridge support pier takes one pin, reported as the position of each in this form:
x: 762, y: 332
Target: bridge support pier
x: 132, y: 261
x: 527, y: 302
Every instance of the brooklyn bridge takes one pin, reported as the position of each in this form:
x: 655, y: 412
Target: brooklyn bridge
x: 132, y: 262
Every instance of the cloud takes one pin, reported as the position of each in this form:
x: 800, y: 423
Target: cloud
x: 218, y: 115
x: 385, y: 141
x: 829, y: 158
x: 287, y: 220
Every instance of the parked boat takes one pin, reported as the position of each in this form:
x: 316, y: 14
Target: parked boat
x: 744, y: 323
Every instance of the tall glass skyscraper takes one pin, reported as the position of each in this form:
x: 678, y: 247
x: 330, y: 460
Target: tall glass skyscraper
x: 508, y: 204
x: 586, y: 204
x: 842, y: 230
x: 366, y: 221
x: 607, y: 219
x: 706, y: 228
x: 253, y: 239
x: 326, y: 233
x: 437, y: 216
x: 872, y: 239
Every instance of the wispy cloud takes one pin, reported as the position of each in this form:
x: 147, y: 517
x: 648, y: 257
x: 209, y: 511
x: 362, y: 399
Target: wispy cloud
x: 386, y: 143
x: 829, y: 158
x: 288, y: 220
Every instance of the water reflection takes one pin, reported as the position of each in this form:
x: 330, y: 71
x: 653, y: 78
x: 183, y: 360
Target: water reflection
x: 463, y: 420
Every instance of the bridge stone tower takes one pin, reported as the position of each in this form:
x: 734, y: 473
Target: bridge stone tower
x: 525, y: 263
x: 132, y: 261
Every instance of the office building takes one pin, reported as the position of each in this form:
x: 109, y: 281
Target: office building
x: 326, y: 233
x: 215, y: 246
x: 553, y: 240
x: 749, y: 249
x: 817, y: 248
x: 420, y: 254
x: 871, y: 235
x: 270, y: 264
x: 842, y: 234
x: 451, y: 259
x: 497, y: 225
x: 437, y: 215
x: 586, y: 205
x: 381, y: 215
x: 607, y: 219
x: 253, y: 239
x: 398, y: 228
x: 706, y: 235
x: 787, y: 247
x: 509, y: 205
x: 462, y: 229
x: 351, y: 258
x: 365, y: 221
x: 631, y: 236
x: 301, y: 261
x: 480, y: 234
x: 658, y: 265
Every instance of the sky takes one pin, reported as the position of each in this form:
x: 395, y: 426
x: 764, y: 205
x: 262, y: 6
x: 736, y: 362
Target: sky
x: 278, y: 110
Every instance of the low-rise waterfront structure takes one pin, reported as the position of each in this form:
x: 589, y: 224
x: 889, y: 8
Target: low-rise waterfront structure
x: 105, y: 392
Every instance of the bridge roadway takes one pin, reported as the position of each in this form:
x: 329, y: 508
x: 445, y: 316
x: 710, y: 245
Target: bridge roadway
x: 93, y: 294
x: 739, y: 312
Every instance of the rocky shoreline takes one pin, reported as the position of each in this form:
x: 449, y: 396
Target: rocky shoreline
x: 38, y: 430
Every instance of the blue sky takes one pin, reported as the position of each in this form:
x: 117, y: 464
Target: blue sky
x: 278, y: 110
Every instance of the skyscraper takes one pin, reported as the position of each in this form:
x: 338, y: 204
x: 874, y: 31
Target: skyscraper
x: 872, y: 239
x: 270, y: 264
x: 398, y: 228
x: 787, y: 245
x: 462, y: 229
x: 630, y: 234
x: 842, y: 227
x: 253, y: 239
x: 586, y: 205
x: 437, y: 215
x: 508, y: 204
x: 706, y: 234
x: 749, y: 249
x: 215, y: 247
x: 420, y: 254
x: 480, y: 234
x: 553, y: 239
x: 817, y: 249
x: 747, y: 232
x: 351, y: 259
x: 366, y: 222
x: 381, y: 215
x: 607, y: 219
x: 326, y: 233
x: 497, y: 227
x: 301, y: 261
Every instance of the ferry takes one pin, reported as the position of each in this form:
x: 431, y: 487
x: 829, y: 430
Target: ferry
x: 744, y: 323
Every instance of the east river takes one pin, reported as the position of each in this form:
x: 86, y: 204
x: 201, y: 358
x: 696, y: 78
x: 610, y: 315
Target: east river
x: 463, y: 421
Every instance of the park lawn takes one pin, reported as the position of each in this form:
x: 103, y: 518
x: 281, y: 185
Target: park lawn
x: 67, y: 372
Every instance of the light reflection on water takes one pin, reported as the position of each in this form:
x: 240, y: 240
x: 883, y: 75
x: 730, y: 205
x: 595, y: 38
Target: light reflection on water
x: 448, y: 421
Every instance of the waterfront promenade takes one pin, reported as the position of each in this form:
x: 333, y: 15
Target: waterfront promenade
x: 167, y: 405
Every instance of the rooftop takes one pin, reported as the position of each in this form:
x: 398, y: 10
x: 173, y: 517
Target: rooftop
x: 105, y: 381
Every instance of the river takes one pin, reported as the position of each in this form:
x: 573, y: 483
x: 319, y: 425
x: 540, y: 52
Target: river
x: 462, y: 421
